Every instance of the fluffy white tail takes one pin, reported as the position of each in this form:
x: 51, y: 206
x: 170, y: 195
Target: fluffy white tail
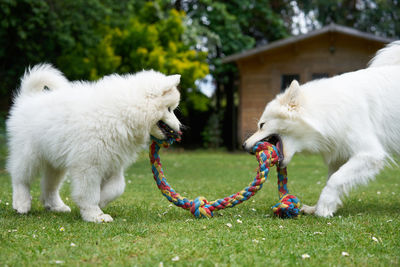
x: 390, y: 55
x: 42, y: 77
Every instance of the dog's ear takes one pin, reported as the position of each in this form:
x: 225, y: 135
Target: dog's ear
x: 292, y: 96
x: 171, y: 82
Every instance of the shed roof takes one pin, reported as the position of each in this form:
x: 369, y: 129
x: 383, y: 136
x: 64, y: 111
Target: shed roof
x: 287, y: 41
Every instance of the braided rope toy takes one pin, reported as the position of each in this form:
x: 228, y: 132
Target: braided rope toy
x: 267, y: 156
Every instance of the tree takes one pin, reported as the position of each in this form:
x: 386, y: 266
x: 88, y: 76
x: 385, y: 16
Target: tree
x: 33, y: 31
x: 374, y: 16
x: 226, y: 27
x: 87, y: 39
x: 150, y: 40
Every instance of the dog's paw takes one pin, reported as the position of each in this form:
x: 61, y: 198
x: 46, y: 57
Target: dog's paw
x: 22, y: 207
x: 308, y: 209
x: 104, y: 218
x: 324, y: 212
x: 97, y: 218
x: 328, y: 203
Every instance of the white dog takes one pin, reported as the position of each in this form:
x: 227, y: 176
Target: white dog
x: 92, y: 130
x: 352, y: 120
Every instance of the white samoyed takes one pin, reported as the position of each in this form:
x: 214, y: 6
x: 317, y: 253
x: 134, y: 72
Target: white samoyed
x: 92, y: 130
x: 352, y: 120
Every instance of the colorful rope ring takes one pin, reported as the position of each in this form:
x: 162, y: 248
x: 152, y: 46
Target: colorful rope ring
x: 267, y: 156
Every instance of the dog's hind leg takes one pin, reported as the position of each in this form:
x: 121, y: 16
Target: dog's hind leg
x: 51, y: 183
x: 22, y: 170
x: 359, y: 169
x: 112, y: 188
x: 86, y: 193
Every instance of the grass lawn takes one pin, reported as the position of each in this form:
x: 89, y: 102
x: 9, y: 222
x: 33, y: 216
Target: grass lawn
x: 148, y: 231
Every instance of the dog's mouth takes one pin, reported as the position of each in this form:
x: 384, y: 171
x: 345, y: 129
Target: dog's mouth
x: 169, y: 133
x: 276, y: 140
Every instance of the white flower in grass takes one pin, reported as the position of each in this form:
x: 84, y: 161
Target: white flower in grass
x: 345, y: 254
x: 7, y: 203
x: 176, y: 258
x: 229, y: 225
x: 253, y: 209
x: 329, y: 223
x: 305, y: 256
x: 317, y: 233
x: 388, y: 221
x: 379, y: 192
x: 375, y: 239
x: 280, y: 226
x: 255, y: 241
x: 161, y: 264
x: 239, y: 221
x: 62, y: 229
x: 72, y: 244
x: 58, y: 262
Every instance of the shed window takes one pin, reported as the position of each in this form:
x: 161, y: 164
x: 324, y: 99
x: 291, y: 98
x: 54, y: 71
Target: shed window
x: 287, y: 80
x: 316, y: 76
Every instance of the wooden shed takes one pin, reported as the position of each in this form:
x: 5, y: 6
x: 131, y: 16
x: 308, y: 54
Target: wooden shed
x: 267, y: 70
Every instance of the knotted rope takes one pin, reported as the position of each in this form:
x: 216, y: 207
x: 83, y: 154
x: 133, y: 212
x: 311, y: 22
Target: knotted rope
x: 267, y: 156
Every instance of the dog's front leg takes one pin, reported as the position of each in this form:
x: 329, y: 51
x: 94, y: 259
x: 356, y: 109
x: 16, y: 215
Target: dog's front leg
x: 112, y: 188
x: 359, y: 169
x: 86, y: 193
x: 332, y: 168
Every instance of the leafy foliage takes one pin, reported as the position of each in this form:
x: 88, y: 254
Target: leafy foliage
x: 226, y: 27
x: 375, y: 16
x: 89, y: 39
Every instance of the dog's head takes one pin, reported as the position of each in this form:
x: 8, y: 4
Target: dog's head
x: 163, y: 97
x: 282, y: 124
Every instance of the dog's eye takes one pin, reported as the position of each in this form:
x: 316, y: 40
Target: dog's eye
x: 261, y: 125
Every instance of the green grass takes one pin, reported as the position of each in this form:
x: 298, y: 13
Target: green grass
x: 147, y: 230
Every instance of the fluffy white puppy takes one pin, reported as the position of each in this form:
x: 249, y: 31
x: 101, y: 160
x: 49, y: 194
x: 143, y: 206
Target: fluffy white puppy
x: 352, y: 120
x: 92, y: 130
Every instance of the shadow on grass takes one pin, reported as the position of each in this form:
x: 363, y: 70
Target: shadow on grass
x: 143, y: 214
x: 351, y: 208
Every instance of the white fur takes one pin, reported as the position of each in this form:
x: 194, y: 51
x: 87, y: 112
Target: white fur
x: 92, y: 130
x: 352, y: 120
